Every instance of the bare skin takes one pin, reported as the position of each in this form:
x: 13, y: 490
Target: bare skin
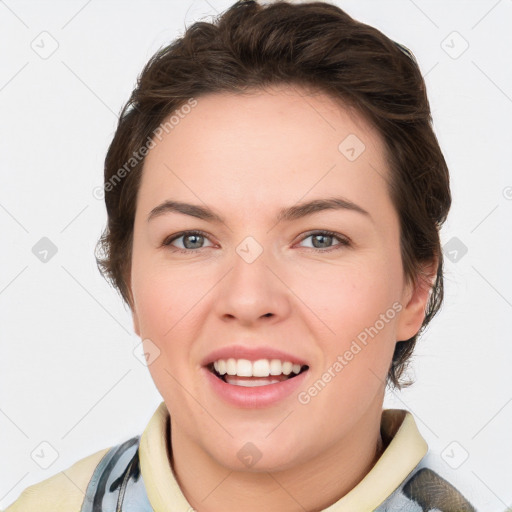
x: 246, y: 157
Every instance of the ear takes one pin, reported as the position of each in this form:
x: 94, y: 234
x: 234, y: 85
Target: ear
x: 414, y: 302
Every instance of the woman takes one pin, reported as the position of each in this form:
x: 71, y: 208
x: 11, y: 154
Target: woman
x: 274, y: 193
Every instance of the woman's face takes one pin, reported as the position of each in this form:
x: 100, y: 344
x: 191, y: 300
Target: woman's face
x: 259, y: 279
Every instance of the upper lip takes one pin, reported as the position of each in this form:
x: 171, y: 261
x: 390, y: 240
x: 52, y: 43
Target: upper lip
x: 251, y: 353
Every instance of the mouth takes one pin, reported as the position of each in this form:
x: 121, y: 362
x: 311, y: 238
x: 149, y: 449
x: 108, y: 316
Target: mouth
x: 262, y: 372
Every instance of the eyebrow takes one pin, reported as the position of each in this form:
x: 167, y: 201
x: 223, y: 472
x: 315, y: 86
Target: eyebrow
x: 286, y: 214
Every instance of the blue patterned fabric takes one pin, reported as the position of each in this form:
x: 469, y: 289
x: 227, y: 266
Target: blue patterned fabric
x: 117, y: 486
x: 425, y: 491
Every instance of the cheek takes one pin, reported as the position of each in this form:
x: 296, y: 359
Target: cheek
x: 164, y: 302
x: 164, y: 296
x: 359, y: 305
x: 351, y: 297
x: 358, y: 302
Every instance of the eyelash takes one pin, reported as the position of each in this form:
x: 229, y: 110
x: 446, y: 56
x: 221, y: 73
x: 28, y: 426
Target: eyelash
x: 343, y: 241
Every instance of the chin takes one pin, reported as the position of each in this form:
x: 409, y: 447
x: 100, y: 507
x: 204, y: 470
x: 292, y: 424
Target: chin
x: 258, y: 456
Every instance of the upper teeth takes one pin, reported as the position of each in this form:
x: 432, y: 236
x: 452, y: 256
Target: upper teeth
x: 259, y: 368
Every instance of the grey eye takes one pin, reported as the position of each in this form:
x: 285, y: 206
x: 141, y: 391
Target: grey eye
x: 188, y: 240
x: 321, y: 241
x: 324, y: 240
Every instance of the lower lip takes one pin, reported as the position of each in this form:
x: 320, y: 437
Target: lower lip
x: 256, y: 397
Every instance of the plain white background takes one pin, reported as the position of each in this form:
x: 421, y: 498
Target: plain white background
x: 68, y: 375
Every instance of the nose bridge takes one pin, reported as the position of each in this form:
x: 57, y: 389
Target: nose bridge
x: 251, y: 290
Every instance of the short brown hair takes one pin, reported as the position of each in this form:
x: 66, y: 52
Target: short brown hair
x: 315, y: 45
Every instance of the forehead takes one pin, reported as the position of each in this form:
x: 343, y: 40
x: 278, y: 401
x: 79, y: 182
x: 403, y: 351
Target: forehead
x: 279, y: 144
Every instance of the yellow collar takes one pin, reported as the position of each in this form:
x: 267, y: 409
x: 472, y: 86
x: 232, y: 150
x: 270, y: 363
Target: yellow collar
x: 405, y: 450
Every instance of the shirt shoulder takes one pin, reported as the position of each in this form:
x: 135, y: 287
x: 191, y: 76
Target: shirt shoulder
x: 63, y: 492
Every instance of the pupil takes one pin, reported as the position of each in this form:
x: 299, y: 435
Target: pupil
x: 188, y: 246
x: 316, y: 237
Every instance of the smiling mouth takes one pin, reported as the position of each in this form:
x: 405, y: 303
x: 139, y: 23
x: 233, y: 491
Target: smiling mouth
x: 263, y: 372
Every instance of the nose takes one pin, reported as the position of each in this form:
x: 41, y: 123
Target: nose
x: 252, y: 292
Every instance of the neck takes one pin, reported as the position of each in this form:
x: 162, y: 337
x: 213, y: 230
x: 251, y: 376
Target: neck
x: 312, y: 485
